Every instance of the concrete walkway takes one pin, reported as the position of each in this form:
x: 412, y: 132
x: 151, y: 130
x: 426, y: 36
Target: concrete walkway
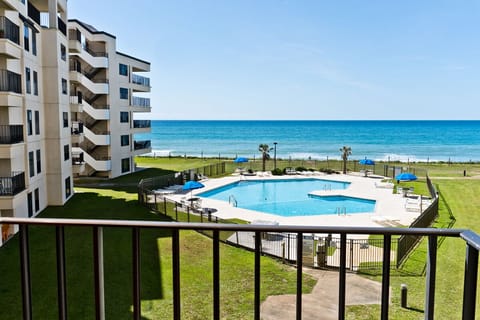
x: 322, y: 303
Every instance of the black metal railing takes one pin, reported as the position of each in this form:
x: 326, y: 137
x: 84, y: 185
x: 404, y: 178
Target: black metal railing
x: 77, y: 158
x: 75, y: 34
x: 471, y: 240
x: 142, y: 124
x: 77, y: 99
x: 33, y: 13
x: 10, y: 186
x: 11, y: 134
x: 9, y: 30
x: 62, y: 26
x: 142, y: 144
x: 77, y: 128
x: 10, y: 81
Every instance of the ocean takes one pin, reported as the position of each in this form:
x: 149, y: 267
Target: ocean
x: 406, y: 141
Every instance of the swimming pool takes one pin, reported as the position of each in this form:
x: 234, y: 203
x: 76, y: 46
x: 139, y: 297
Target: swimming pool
x: 290, y: 197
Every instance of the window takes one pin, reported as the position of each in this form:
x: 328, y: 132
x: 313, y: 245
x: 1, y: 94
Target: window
x: 123, y: 69
x: 64, y: 86
x: 34, y: 43
x: 124, y: 93
x: 68, y: 188
x: 125, y: 165
x: 35, y: 83
x: 27, y: 80
x: 31, y: 164
x: 65, y: 119
x: 63, y: 52
x: 123, y: 117
x: 124, y: 140
x: 26, y: 37
x: 37, y: 200
x: 39, y: 161
x: 66, y: 152
x: 30, y: 204
x: 29, y: 122
x: 37, y: 122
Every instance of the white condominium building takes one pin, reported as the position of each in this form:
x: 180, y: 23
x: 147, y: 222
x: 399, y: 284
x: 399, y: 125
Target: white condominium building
x: 106, y: 89
x: 67, y: 100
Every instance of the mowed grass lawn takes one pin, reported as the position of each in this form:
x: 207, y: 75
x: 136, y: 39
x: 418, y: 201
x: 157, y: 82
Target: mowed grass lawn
x: 156, y: 288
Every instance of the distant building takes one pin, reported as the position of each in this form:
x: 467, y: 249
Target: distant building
x: 103, y: 95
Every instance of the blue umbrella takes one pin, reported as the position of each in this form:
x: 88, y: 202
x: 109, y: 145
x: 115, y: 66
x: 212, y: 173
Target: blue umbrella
x: 191, y: 185
x: 240, y: 160
x: 366, y: 161
x: 406, y: 176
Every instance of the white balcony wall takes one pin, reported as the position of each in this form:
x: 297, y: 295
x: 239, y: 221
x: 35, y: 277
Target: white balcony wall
x: 96, y: 62
x: 99, y: 165
x: 96, y: 88
x: 98, y: 114
x: 97, y: 139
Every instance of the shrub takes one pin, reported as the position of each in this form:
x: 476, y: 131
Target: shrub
x: 301, y: 169
x: 277, y: 172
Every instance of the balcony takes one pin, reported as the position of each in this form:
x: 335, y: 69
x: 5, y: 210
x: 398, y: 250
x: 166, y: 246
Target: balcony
x: 10, y: 81
x: 77, y: 132
x: 10, y: 186
x: 142, y: 123
x: 140, y: 104
x: 96, y: 229
x: 11, y: 134
x: 140, y: 83
x: 76, y: 103
x: 141, y: 145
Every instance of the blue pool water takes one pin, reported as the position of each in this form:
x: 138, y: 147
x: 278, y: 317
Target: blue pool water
x: 290, y: 197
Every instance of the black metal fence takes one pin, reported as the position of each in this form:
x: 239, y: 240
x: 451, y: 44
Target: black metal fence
x: 471, y: 240
x: 9, y: 30
x: 10, y: 186
x: 10, y: 81
x: 11, y: 134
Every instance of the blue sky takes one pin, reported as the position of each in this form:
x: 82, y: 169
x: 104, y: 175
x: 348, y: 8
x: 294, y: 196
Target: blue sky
x: 242, y: 59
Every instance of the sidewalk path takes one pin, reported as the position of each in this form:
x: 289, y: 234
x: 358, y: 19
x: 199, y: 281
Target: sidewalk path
x: 322, y: 303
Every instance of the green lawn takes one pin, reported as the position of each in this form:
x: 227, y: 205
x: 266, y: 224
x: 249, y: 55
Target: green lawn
x: 236, y: 267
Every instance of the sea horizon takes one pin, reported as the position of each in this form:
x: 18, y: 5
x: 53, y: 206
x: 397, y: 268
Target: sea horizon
x: 380, y: 140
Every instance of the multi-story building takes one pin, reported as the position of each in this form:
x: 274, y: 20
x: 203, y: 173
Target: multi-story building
x: 67, y: 100
x: 105, y: 92
x: 35, y: 134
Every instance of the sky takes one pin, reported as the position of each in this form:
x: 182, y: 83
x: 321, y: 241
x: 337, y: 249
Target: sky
x: 295, y: 60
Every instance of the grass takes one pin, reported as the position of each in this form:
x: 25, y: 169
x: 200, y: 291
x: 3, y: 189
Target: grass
x: 236, y: 267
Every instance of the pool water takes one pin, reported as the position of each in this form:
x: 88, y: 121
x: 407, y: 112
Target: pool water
x: 290, y: 197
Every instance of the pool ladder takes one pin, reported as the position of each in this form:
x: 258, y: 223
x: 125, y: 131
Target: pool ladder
x: 341, y: 211
x: 232, y: 200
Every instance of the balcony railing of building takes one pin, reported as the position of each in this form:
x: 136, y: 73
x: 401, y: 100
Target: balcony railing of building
x: 469, y: 285
x: 142, y: 124
x: 141, y: 80
x: 75, y: 34
x: 11, y: 134
x: 33, y: 13
x: 140, y: 102
x: 142, y: 144
x: 77, y: 158
x: 9, y: 30
x: 77, y: 66
x: 10, y: 186
x: 10, y: 81
x: 77, y: 127
x: 77, y: 99
x: 45, y: 22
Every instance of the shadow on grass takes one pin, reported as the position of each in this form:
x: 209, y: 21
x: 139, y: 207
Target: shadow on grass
x: 79, y: 262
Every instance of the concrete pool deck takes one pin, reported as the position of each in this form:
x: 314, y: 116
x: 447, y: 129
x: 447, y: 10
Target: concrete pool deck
x: 390, y: 208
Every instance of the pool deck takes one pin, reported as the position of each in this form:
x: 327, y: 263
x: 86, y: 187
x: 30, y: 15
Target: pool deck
x: 390, y: 209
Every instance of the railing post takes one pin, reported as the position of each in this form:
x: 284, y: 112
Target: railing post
x: 137, y: 313
x: 25, y: 273
x: 216, y: 275
x: 387, y: 243
x: 176, y: 273
x: 470, y: 283
x: 299, y: 275
x: 258, y: 245
x: 98, y: 273
x: 342, y: 276
x: 61, y: 276
x: 430, y: 281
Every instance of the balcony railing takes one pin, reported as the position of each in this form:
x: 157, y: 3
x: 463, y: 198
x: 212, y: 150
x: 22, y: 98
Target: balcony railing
x: 469, y: 285
x: 77, y: 158
x: 9, y: 30
x: 74, y: 34
x: 77, y: 127
x: 140, y: 102
x: 142, y: 124
x: 10, y: 186
x: 76, y: 99
x: 11, y: 134
x: 143, y: 81
x: 10, y: 81
x: 142, y: 144
x: 33, y: 13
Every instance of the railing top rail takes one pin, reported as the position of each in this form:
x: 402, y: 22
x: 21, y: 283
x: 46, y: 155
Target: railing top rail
x: 466, y: 234
x: 471, y: 238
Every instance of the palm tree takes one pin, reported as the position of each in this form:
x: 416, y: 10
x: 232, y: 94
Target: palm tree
x: 346, y: 151
x: 264, y: 149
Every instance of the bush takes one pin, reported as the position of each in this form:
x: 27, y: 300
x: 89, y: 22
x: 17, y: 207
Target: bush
x: 277, y: 172
x: 327, y: 171
x: 301, y: 169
